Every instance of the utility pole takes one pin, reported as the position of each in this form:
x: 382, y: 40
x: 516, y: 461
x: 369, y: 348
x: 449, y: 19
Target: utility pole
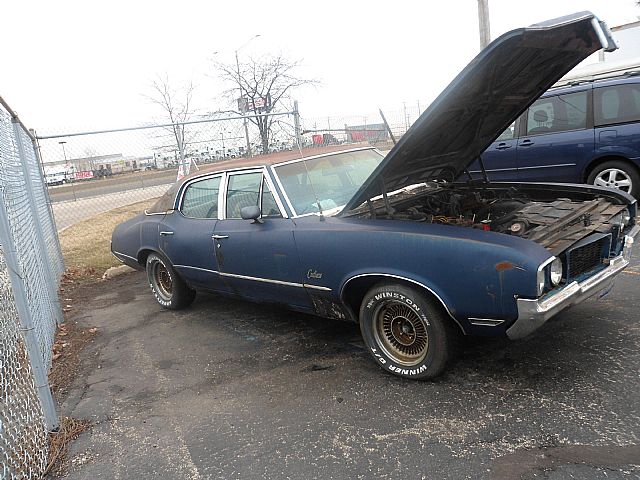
x: 483, y: 23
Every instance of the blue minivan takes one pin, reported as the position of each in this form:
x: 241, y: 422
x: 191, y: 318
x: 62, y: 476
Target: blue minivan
x: 584, y: 132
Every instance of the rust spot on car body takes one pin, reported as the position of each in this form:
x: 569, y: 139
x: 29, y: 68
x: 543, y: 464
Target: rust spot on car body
x: 506, y: 265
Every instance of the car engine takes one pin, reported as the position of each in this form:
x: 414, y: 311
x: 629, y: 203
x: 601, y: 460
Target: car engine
x: 553, y: 222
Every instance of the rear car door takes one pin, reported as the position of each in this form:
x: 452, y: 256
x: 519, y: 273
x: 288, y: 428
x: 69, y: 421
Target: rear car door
x: 557, y: 139
x: 185, y: 236
x: 258, y: 260
x: 617, y: 120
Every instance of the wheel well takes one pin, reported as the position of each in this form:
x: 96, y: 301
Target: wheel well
x: 599, y: 161
x: 142, y: 256
x: 355, y: 290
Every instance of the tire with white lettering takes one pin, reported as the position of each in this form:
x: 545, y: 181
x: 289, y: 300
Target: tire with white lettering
x: 170, y: 290
x: 406, y: 332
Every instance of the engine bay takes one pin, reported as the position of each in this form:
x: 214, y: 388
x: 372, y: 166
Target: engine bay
x: 553, y: 222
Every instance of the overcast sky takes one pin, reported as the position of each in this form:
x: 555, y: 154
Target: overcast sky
x: 69, y: 65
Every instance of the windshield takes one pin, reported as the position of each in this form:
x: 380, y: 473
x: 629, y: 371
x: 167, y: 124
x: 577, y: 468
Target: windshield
x: 331, y: 180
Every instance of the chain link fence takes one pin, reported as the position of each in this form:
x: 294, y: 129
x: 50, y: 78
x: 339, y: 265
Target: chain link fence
x: 30, y: 269
x: 92, y: 172
x: 88, y: 173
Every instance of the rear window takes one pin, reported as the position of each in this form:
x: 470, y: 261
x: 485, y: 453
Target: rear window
x: 558, y: 114
x: 165, y: 203
x: 616, y: 104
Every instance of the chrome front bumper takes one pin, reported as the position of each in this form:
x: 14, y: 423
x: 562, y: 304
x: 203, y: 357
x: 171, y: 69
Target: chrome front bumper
x: 533, y: 313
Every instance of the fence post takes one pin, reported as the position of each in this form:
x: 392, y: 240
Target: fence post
x: 296, y: 123
x: 16, y: 277
x: 51, y: 280
x: 36, y: 149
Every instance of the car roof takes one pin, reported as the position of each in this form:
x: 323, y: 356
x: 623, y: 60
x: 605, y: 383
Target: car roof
x: 586, y: 84
x: 270, y: 159
x: 167, y: 201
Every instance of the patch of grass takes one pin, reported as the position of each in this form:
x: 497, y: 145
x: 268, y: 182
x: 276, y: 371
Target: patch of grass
x: 86, y: 246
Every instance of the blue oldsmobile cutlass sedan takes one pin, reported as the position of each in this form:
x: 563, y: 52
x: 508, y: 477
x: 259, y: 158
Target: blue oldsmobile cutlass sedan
x: 392, y: 242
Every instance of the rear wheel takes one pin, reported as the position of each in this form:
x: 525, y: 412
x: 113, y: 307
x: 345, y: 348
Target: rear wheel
x: 170, y: 290
x: 616, y: 174
x: 406, y: 332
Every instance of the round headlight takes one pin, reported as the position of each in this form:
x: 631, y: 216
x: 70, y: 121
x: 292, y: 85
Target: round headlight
x: 556, y: 272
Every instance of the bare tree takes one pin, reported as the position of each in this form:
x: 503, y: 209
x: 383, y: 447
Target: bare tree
x: 263, y: 86
x: 176, y: 103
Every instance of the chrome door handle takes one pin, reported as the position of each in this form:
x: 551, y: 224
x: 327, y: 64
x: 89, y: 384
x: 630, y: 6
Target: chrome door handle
x: 164, y: 234
x: 526, y: 143
x: 502, y: 146
x: 219, y: 237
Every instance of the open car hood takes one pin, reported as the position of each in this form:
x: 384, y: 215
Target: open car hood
x: 482, y: 101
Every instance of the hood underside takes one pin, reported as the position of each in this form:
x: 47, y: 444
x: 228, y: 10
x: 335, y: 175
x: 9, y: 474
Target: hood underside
x: 482, y: 101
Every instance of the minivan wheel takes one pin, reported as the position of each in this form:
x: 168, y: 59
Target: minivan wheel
x: 616, y: 174
x: 167, y: 287
x: 406, y: 332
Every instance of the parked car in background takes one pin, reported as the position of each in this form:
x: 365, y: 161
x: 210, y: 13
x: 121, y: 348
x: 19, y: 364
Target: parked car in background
x: 586, y: 131
x: 353, y: 235
x: 55, y: 178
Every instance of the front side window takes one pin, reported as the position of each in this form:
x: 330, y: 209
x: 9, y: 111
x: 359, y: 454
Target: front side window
x: 328, y: 182
x: 616, y: 104
x: 201, y: 199
x: 508, y: 134
x: 558, y: 114
x: 243, y: 191
x: 269, y: 207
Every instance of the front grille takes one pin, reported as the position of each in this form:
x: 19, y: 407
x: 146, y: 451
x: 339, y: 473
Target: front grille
x: 587, y: 257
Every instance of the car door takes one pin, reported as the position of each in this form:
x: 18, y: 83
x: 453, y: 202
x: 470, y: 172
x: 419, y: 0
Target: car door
x: 258, y: 259
x: 500, y: 158
x: 557, y: 139
x: 185, y: 236
x: 617, y: 120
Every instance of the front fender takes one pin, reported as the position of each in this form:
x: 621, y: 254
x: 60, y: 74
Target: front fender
x: 475, y: 274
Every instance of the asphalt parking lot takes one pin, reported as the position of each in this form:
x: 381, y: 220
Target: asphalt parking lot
x: 230, y: 390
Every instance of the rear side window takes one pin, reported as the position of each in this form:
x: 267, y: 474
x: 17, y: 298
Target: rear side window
x: 616, y: 104
x: 558, y: 114
x: 201, y: 199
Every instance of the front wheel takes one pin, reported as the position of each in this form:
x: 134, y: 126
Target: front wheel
x: 170, y: 290
x: 406, y: 332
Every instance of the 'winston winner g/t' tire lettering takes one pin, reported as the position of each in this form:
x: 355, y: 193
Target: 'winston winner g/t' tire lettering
x: 406, y: 331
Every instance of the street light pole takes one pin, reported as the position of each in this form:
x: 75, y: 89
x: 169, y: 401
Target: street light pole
x: 64, y: 152
x: 244, y: 120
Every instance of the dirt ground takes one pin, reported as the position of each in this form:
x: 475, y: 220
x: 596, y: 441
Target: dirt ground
x: 228, y: 389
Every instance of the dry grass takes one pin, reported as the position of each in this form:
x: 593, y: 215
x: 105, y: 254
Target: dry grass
x: 86, y: 245
x: 70, y: 429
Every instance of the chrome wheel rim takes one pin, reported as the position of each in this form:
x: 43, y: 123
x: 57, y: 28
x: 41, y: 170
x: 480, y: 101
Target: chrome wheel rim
x: 401, y: 333
x: 614, y: 178
x: 162, y: 280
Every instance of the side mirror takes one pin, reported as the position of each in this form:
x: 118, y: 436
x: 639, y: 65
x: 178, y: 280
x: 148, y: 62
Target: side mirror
x: 251, y: 213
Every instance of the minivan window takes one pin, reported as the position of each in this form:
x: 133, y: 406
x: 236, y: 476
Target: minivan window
x: 558, y: 114
x: 508, y: 134
x: 201, y: 199
x: 616, y: 104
